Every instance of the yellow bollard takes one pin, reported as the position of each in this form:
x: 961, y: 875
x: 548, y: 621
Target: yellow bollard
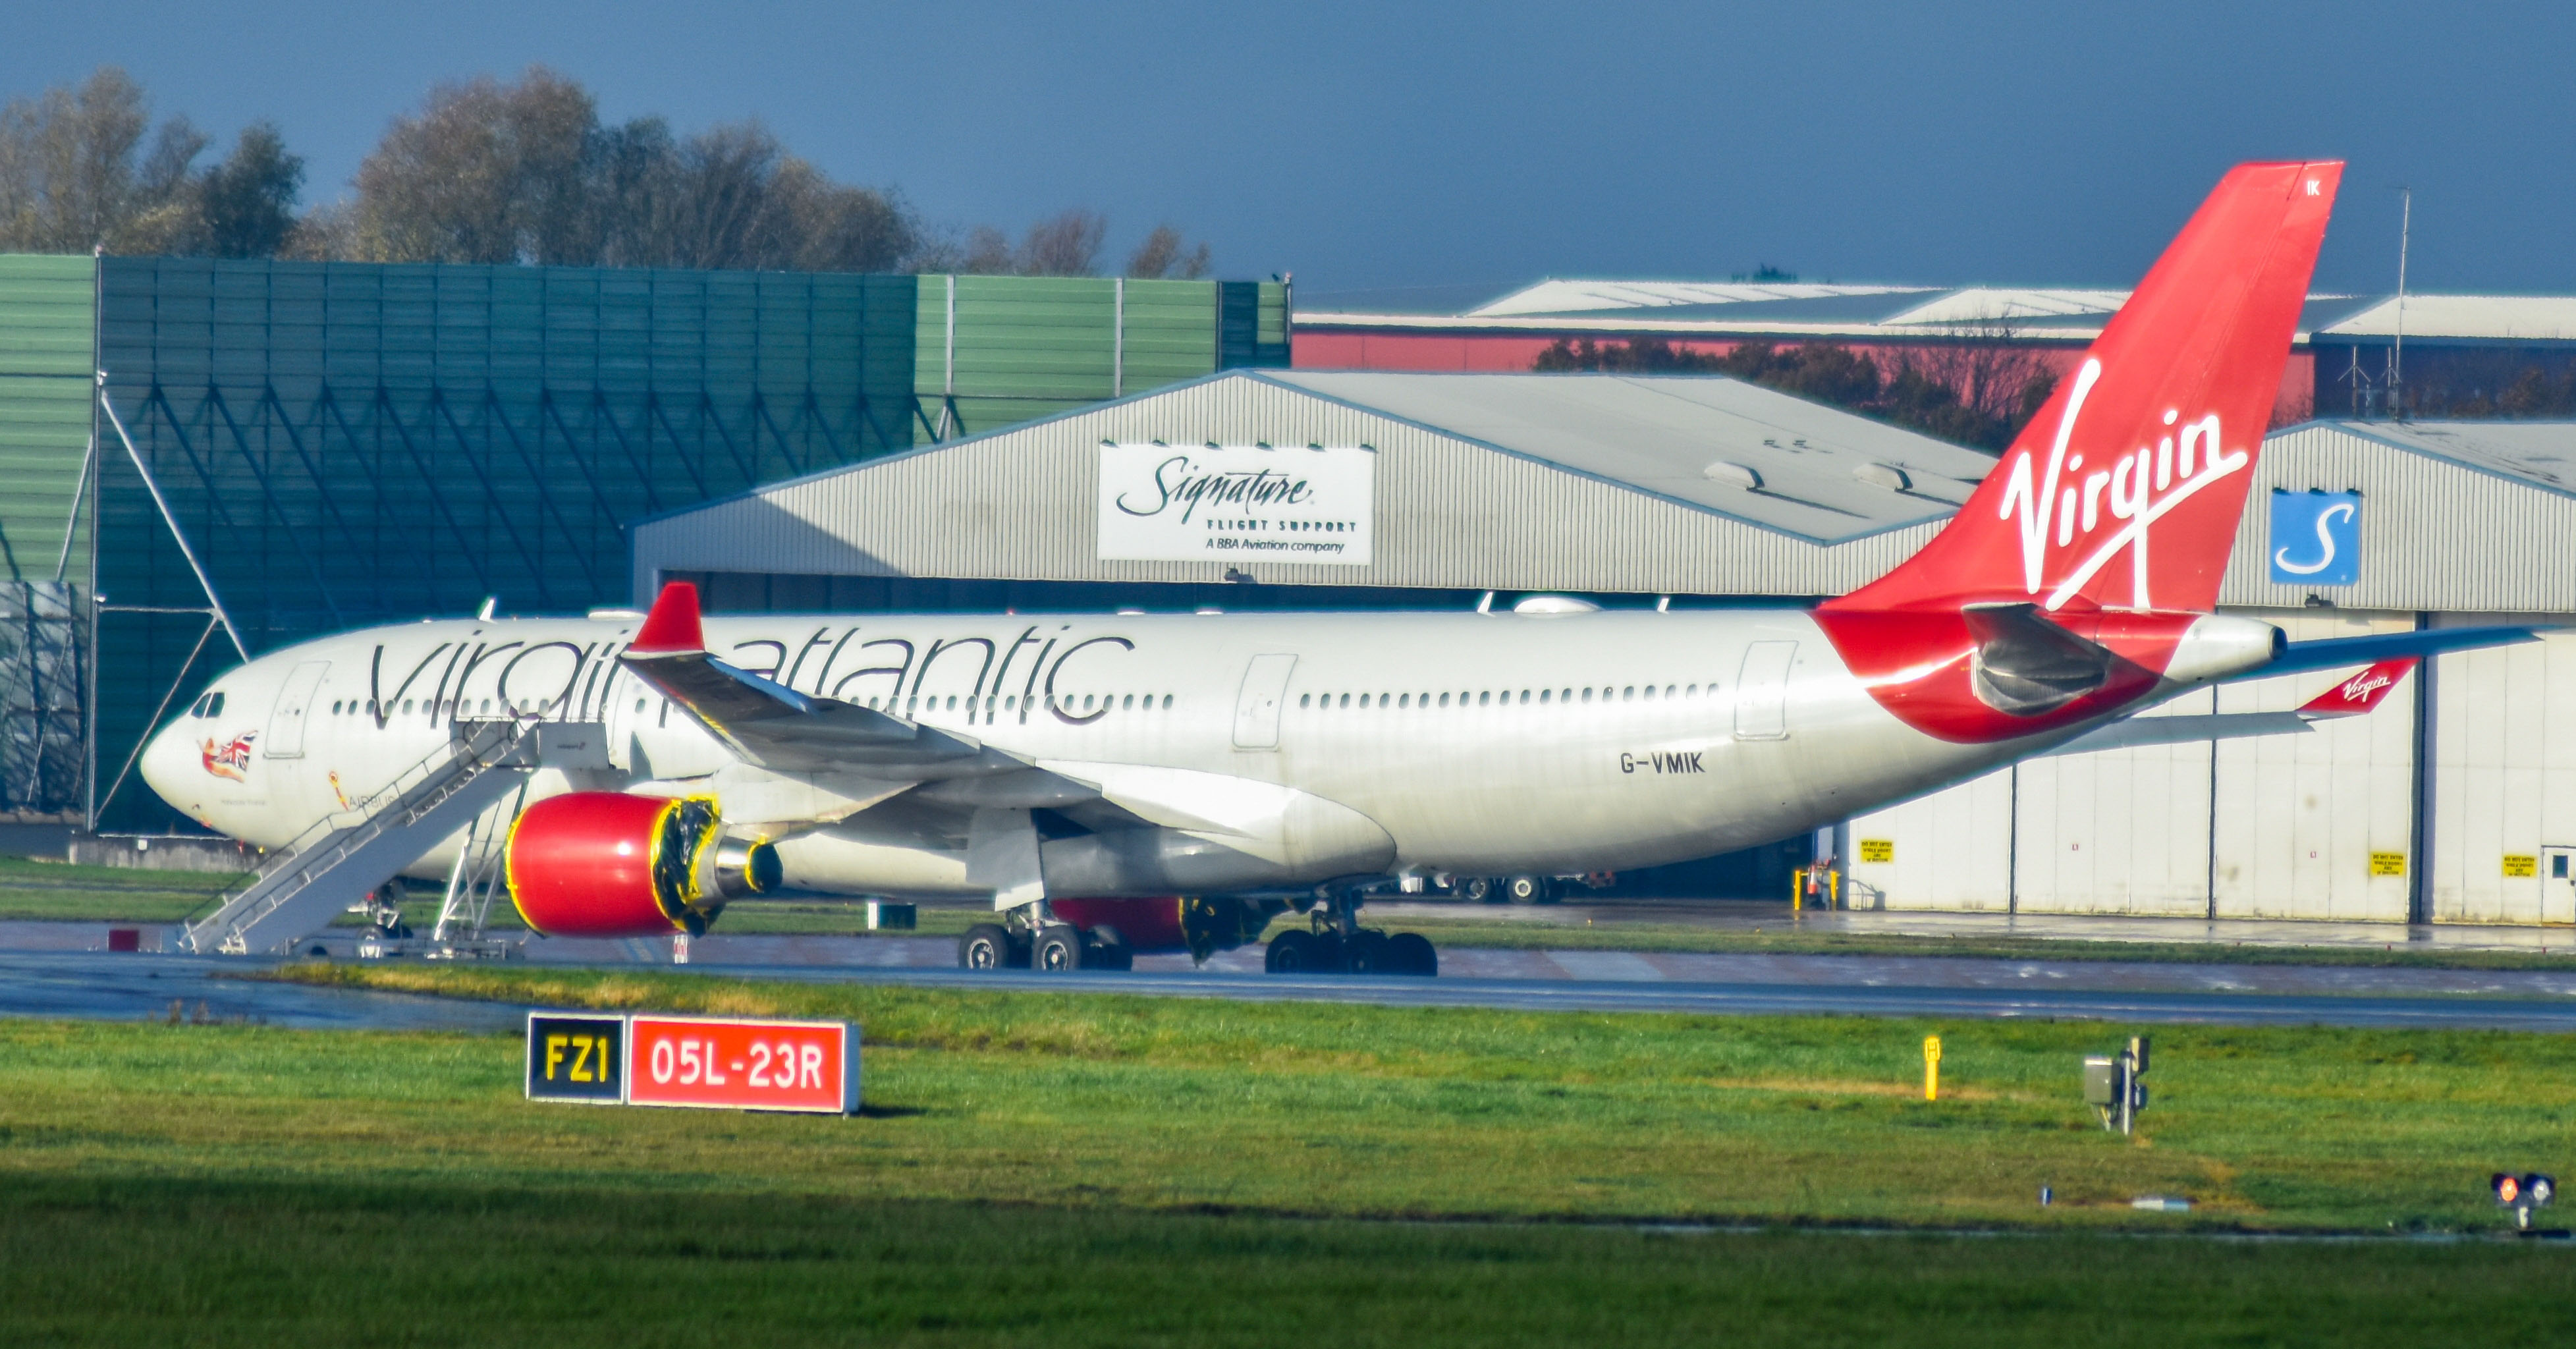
x: 1931, y: 1067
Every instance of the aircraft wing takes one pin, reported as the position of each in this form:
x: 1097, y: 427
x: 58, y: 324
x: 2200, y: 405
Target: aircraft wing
x: 768, y: 725
x: 2350, y: 698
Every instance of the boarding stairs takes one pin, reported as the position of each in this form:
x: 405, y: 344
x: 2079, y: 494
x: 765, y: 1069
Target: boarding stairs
x: 352, y: 852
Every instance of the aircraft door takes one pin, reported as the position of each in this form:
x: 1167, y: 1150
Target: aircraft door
x: 1762, y: 691
x: 1256, y: 709
x: 286, y: 718
x: 2557, y: 885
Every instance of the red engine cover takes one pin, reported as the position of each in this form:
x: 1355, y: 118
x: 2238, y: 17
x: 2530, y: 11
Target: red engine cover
x: 607, y: 864
x: 1144, y: 924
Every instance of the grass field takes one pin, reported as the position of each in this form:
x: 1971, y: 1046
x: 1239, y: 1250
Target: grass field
x: 1059, y: 1169
x: 131, y: 1262
x: 31, y: 889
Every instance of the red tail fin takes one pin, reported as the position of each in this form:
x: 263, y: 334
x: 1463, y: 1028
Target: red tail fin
x: 2360, y: 693
x: 2152, y: 440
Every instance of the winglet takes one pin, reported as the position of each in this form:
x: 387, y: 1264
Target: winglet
x: 2361, y: 693
x: 673, y: 625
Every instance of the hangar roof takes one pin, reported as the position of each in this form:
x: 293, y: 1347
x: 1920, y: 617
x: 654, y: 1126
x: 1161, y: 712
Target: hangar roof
x: 1656, y: 485
x: 1722, y: 444
x: 1689, y: 485
x: 2540, y: 452
x: 1889, y: 312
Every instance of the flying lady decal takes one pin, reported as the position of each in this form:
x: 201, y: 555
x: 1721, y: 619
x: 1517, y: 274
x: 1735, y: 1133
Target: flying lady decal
x: 228, y: 759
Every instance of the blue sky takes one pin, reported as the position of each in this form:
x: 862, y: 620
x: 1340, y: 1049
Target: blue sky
x: 1382, y: 145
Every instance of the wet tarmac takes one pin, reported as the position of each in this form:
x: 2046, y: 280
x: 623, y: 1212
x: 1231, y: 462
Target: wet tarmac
x: 1751, y: 915
x: 203, y: 990
x: 63, y: 969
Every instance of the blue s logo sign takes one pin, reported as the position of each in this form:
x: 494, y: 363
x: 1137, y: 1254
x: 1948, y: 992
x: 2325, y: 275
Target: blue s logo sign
x: 2316, y: 538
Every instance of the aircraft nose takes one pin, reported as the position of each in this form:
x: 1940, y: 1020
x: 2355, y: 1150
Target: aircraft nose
x: 165, y: 758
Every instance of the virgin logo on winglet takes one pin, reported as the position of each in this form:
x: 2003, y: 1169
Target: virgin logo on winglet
x: 2360, y: 693
x: 2129, y: 496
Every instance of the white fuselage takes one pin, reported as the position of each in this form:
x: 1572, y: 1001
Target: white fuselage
x: 1335, y: 743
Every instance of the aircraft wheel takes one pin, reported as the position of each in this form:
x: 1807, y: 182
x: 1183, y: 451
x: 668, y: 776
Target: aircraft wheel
x: 986, y: 946
x: 1528, y: 890
x: 1477, y: 889
x: 1100, y: 955
x: 1058, y: 949
x: 1410, y: 953
x: 1367, y: 954
x: 1292, y: 952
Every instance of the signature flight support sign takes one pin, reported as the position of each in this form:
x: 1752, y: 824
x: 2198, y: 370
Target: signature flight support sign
x: 2316, y: 538
x: 711, y: 1063
x: 1236, y: 503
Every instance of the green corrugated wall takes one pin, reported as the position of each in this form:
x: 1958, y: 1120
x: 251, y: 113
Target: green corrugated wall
x: 47, y: 306
x: 1027, y: 347
x: 348, y: 444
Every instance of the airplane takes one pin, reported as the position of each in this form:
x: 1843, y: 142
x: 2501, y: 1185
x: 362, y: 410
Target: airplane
x: 1133, y: 783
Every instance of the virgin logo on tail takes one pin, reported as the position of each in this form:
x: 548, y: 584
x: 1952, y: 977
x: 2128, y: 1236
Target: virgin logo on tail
x: 2145, y: 451
x: 2128, y: 496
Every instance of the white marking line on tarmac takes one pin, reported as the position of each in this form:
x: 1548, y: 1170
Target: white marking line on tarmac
x: 1622, y: 966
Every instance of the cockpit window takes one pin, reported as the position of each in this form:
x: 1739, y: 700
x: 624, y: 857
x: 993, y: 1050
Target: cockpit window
x: 208, y: 705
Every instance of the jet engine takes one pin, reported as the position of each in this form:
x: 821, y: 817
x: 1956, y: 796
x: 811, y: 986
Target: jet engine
x: 610, y: 864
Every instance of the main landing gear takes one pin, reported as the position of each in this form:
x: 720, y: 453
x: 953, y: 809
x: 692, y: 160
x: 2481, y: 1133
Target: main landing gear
x: 1030, y: 938
x: 1334, y: 943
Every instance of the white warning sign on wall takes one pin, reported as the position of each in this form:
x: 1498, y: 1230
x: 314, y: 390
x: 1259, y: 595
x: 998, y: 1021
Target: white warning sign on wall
x: 1236, y: 503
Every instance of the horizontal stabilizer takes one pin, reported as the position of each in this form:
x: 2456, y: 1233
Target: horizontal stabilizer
x: 2141, y: 732
x: 2362, y: 693
x: 2335, y: 652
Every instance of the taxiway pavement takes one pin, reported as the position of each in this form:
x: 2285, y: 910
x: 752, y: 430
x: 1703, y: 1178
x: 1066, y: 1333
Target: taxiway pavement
x: 55, y: 971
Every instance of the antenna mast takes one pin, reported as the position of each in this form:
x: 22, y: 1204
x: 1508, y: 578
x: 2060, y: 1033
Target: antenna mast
x: 2397, y: 353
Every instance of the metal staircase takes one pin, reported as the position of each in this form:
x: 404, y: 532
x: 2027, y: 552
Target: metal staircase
x: 346, y: 855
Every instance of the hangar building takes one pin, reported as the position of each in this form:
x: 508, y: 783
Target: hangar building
x: 2455, y: 802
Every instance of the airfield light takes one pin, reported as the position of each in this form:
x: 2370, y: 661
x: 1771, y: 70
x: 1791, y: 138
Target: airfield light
x: 2523, y: 1193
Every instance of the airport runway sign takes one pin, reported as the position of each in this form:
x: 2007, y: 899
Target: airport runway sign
x: 576, y: 1057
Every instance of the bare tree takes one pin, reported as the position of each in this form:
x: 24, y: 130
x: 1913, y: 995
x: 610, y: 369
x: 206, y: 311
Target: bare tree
x: 1064, y: 245
x: 488, y: 172
x: 1165, y: 254
x: 484, y: 172
x: 987, y: 253
x: 1988, y: 366
x: 74, y: 175
x: 839, y: 228
x: 721, y: 206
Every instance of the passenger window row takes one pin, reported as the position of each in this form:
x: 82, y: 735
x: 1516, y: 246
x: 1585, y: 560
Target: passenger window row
x: 448, y: 708
x: 1105, y: 702
x: 1627, y: 693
